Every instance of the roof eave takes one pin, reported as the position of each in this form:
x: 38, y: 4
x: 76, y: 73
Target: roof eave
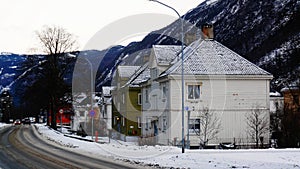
x: 210, y: 76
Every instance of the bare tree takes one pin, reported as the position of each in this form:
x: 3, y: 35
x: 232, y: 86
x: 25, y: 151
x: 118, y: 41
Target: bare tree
x: 55, y: 41
x: 210, y: 126
x: 258, y: 124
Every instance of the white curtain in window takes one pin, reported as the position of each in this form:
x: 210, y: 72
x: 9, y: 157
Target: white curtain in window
x: 197, y: 91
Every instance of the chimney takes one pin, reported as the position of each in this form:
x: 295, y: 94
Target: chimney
x: 207, y: 31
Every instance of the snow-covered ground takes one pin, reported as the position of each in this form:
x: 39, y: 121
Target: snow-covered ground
x: 167, y: 156
x: 2, y: 125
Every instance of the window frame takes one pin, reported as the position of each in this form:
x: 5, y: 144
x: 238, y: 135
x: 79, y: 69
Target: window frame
x: 123, y: 98
x: 139, y: 99
x: 123, y: 121
x: 192, y: 126
x: 163, y: 90
x: 139, y: 122
x: 146, y: 95
x: 194, y: 95
x: 164, y: 123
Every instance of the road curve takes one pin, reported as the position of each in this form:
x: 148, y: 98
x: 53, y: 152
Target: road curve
x: 21, y: 148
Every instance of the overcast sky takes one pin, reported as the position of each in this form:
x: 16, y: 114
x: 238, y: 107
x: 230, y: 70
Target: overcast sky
x: 83, y: 18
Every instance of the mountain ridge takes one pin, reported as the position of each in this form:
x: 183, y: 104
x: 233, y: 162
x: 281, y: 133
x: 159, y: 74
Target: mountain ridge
x: 264, y: 32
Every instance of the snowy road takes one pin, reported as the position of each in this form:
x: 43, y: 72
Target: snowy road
x: 22, y: 148
x: 149, y: 156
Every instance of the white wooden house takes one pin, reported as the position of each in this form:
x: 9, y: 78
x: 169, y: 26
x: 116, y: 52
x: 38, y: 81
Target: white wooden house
x: 216, y: 79
x: 106, y: 107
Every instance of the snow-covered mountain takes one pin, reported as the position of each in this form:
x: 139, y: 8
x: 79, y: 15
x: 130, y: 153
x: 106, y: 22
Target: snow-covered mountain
x: 266, y: 32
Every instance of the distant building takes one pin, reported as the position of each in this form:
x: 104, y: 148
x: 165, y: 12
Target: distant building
x: 291, y: 98
x: 106, y: 106
x: 126, y: 114
x: 276, y: 102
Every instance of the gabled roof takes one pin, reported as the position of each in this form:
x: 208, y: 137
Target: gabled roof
x: 140, y: 76
x: 165, y: 54
x: 127, y: 71
x: 209, y: 57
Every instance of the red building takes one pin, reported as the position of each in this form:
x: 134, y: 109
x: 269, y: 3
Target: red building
x: 66, y: 115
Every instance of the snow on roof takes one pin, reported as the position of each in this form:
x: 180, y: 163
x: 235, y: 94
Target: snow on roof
x: 275, y: 94
x: 106, y: 90
x: 127, y: 71
x: 141, y: 75
x: 4, y: 89
x: 165, y: 54
x: 209, y: 57
x: 79, y: 97
x: 290, y: 88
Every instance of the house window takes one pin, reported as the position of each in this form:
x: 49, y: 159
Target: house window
x: 296, y: 99
x: 164, y: 90
x: 147, y: 96
x: 148, y: 123
x: 139, y: 99
x: 82, y: 113
x: 193, y: 92
x: 104, y: 112
x: 194, y: 126
x: 164, y: 124
x: 116, y: 120
x: 123, y: 121
x: 139, y: 122
x: 123, y: 98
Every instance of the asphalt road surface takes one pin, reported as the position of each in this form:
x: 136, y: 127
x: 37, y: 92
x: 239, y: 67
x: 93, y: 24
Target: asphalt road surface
x: 21, y: 148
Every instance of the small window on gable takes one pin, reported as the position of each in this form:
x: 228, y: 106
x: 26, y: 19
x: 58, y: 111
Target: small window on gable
x: 153, y: 73
x: 194, y: 92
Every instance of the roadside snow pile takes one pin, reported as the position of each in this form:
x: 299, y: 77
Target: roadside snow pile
x: 3, y: 125
x: 55, y: 136
x: 171, y: 157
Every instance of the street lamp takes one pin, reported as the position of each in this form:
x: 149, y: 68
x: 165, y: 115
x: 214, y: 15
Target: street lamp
x: 182, y: 71
x: 92, y: 87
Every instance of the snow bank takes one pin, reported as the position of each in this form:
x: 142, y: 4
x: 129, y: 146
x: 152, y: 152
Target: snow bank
x: 167, y: 156
x: 3, y: 125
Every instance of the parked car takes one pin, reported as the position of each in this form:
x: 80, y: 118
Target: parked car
x: 227, y: 145
x: 27, y: 121
x: 17, y: 122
